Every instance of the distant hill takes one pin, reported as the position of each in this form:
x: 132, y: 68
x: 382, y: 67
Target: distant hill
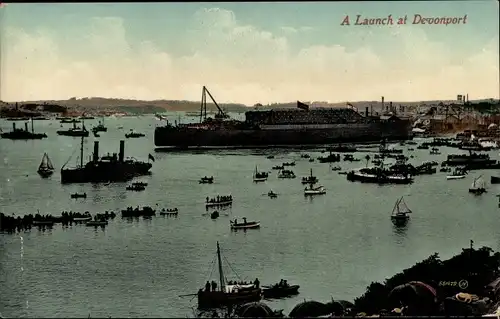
x: 157, y: 106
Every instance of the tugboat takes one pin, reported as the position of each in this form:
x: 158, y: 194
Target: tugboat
x: 245, y: 225
x: 133, y: 134
x: 46, y: 168
x: 75, y: 131
x: 99, y: 128
x: 331, y: 158
x: 400, y: 213
x: 311, y: 190
x: 20, y: 134
x: 137, y: 187
x: 478, y: 186
x: 113, y: 168
x: 272, y: 194
x: 309, y: 179
x: 458, y: 173
x: 228, y: 293
x: 77, y: 195
x: 260, y: 176
x: 207, y: 180
x: 286, y: 174
x: 280, y: 290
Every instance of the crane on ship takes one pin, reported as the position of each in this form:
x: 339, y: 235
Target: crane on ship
x: 203, y: 108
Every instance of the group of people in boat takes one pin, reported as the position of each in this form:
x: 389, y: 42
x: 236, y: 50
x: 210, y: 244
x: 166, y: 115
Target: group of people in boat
x: 137, y: 209
x: 235, y: 221
x: 212, y: 286
x: 208, y: 285
x: 219, y: 199
x: 282, y: 284
x: 12, y: 224
x: 256, y: 282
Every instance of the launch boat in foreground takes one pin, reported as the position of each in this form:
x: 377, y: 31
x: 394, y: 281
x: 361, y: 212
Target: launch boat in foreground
x: 228, y: 293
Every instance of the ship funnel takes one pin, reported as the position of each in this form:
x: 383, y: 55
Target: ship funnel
x: 26, y: 126
x: 13, y: 126
x: 366, y: 111
x: 391, y: 108
x: 122, y: 151
x: 95, y: 156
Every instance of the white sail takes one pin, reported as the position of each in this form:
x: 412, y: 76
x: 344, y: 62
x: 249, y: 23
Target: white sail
x: 46, y: 164
x: 49, y: 163
x: 400, y: 207
x: 478, y: 183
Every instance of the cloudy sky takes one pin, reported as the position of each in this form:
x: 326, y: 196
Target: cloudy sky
x: 247, y: 52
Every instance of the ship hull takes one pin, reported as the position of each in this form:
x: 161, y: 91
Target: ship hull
x: 215, y: 299
x: 341, y: 133
x: 27, y: 136
x: 105, y: 173
x: 73, y: 134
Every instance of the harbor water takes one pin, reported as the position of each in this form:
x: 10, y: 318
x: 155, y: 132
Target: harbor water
x: 332, y: 245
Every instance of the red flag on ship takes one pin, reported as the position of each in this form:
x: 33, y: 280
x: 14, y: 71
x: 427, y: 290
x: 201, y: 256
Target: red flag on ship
x: 302, y: 106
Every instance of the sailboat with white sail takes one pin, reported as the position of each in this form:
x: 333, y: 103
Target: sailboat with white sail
x: 478, y: 186
x: 46, y: 168
x: 400, y: 213
x: 260, y: 176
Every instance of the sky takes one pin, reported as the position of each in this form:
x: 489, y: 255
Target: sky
x: 248, y: 52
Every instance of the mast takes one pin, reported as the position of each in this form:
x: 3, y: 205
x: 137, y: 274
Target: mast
x: 221, y: 274
x: 205, y: 101
x: 201, y: 105
x: 81, y: 153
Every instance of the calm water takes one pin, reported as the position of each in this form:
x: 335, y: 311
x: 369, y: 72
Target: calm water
x: 333, y: 245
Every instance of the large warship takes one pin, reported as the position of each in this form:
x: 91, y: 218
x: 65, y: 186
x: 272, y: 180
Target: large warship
x: 281, y: 127
x: 20, y: 134
x: 109, y: 168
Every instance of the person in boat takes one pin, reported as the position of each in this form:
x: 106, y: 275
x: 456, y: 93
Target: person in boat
x: 207, y: 286
x: 256, y: 282
x: 244, y: 220
x: 214, y: 286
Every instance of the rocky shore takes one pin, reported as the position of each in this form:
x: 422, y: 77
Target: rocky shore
x: 467, y: 284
